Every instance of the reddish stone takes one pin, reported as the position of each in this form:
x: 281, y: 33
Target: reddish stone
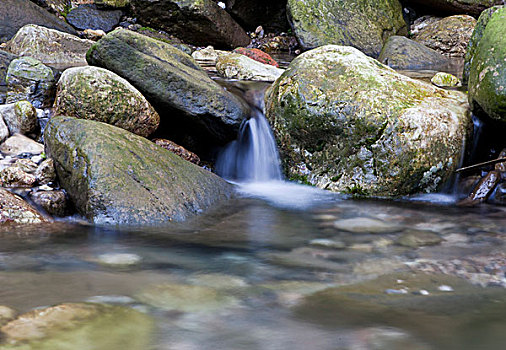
x: 178, y: 150
x: 257, y: 55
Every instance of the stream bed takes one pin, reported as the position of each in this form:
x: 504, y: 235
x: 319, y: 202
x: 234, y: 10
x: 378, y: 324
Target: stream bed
x: 282, y: 266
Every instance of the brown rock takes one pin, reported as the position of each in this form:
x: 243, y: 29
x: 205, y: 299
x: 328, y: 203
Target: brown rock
x: 53, y: 202
x: 13, y: 209
x: 483, y: 189
x: 15, y: 177
x: 179, y: 150
x: 17, y: 144
x: 46, y: 172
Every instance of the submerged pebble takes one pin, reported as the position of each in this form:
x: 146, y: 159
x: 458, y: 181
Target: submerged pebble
x: 119, y: 259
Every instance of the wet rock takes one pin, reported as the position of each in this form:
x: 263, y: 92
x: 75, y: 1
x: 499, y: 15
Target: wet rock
x: 270, y: 14
x: 20, y: 117
x: 360, y: 24
x: 185, y: 298
x: 190, y: 104
x: 15, y: 177
x: 442, y: 79
x: 5, y: 60
x: 52, y: 47
x: 118, y: 259
x: 276, y: 43
x: 485, y: 66
x: 448, y: 36
x: 474, y: 7
x: 200, y: 22
x: 237, y: 66
x: 88, y: 16
x: 257, y: 55
x: 16, y: 210
x: 415, y: 239
x: 178, y: 150
x: 116, y: 177
x: 18, y: 144
x: 97, y: 325
x: 14, y: 14
x: 367, y: 303
x: 483, y: 189
x: 310, y: 258
x: 400, y: 52
x: 55, y: 203
x: 365, y: 225
x: 29, y: 79
x: 208, y: 55
x: 501, y: 166
x: 6, y: 314
x: 98, y: 94
x: 347, y: 123
x: 45, y: 172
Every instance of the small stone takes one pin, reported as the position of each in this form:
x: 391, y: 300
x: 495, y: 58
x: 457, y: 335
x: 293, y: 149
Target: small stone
x: 329, y: 243
x: 119, y: 259
x: 94, y: 35
x: 37, y: 159
x: 423, y: 292
x: 53, y: 202
x: 445, y: 288
x: 15, y: 177
x: 45, y: 188
x: 396, y: 291
x: 46, y: 172
x: 442, y: 79
x: 17, y: 144
x: 208, y: 55
x: 27, y: 165
x: 365, y: 225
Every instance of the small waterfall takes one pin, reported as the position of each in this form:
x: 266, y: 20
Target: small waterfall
x: 253, y: 157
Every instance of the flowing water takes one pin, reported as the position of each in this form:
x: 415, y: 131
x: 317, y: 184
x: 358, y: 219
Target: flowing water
x: 281, y: 266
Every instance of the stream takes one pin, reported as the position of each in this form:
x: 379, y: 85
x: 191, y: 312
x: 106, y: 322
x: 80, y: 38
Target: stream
x: 281, y: 266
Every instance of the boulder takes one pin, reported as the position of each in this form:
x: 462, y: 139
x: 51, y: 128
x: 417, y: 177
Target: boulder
x: 400, y: 52
x: 5, y: 60
x: 52, y: 47
x: 237, y: 66
x: 115, y: 177
x: 14, y: 14
x: 29, y: 79
x: 485, y: 66
x: 18, y: 144
x: 53, y: 202
x: 188, y: 101
x: 270, y: 14
x: 448, y: 36
x: 98, y: 94
x: 362, y: 24
x: 469, y: 7
x: 62, y: 326
x: 347, y: 123
x: 199, y: 22
x: 20, y: 117
x: 88, y: 16
x: 16, y: 210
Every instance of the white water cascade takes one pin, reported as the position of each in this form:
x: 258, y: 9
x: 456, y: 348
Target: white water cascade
x: 253, y: 157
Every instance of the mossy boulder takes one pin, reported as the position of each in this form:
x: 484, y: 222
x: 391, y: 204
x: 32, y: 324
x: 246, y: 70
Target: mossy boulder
x: 31, y: 80
x: 485, y: 66
x: 469, y: 7
x: 190, y: 104
x: 52, y: 47
x: 79, y: 326
x: 116, y: 177
x: 362, y: 24
x: 97, y: 94
x: 448, y: 36
x: 199, y: 22
x: 400, y: 52
x: 347, y: 123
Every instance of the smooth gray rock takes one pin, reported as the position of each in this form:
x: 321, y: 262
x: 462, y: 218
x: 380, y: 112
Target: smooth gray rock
x: 88, y: 16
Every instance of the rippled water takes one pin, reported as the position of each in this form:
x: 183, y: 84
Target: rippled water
x: 268, y: 252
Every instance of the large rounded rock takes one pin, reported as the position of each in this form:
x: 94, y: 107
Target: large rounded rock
x: 400, y: 52
x: 362, y: 24
x: 486, y: 64
x: 189, y: 102
x: 5, y: 60
x: 469, y: 7
x: 97, y: 94
x: 29, y: 79
x: 448, y: 36
x: 14, y: 14
x: 88, y: 16
x: 199, y: 22
x: 51, y: 47
x: 347, y: 123
x: 96, y: 326
x: 116, y: 177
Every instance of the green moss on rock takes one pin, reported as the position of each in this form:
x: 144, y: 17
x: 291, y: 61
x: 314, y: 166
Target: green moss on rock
x: 347, y: 121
